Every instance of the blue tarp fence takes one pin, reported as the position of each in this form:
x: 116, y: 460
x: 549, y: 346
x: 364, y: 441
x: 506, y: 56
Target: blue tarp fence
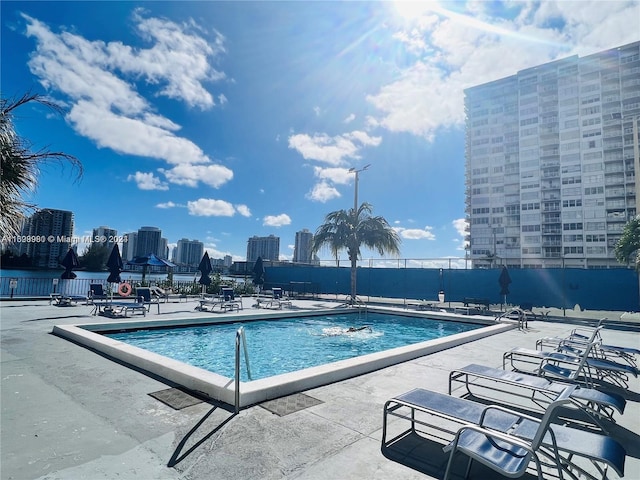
x: 591, y: 289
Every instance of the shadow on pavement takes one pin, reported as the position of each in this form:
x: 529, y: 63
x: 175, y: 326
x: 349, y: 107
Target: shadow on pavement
x: 178, y: 456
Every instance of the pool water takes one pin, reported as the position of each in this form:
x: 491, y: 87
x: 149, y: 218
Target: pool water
x: 288, y: 345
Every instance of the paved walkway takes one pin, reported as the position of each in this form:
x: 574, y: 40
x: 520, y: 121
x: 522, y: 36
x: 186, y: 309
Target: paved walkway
x: 70, y: 413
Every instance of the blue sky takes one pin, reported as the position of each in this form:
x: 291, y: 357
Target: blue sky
x: 218, y: 121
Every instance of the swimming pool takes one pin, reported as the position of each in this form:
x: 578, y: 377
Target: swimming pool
x: 288, y: 345
x: 221, y: 387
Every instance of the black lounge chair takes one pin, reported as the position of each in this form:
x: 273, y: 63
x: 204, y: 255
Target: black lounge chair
x: 225, y: 301
x: 478, y: 379
x: 230, y: 302
x: 96, y: 292
x: 146, y: 298
x: 504, y: 440
x: 277, y: 299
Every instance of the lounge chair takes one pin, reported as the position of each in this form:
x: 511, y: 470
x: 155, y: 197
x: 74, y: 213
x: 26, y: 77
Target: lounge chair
x: 230, y: 302
x: 478, y: 380
x: 577, y: 339
x: 576, y: 366
x: 225, y: 301
x: 62, y: 300
x: 207, y: 301
x: 118, y: 308
x: 96, y: 292
x: 144, y: 296
x: 159, y: 293
x: 509, y: 439
x: 277, y: 299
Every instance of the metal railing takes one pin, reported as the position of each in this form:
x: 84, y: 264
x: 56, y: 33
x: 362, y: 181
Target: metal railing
x: 240, y: 335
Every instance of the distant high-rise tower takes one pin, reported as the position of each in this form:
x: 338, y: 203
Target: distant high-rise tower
x: 104, y: 236
x: 149, y: 241
x: 302, y: 247
x: 266, y: 247
x: 55, y: 227
x: 189, y: 252
x: 553, y: 162
x: 129, y: 247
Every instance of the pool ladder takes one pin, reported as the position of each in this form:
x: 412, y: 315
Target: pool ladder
x: 240, y: 335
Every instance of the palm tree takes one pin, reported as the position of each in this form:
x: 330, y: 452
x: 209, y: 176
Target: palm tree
x: 629, y: 243
x: 349, y: 230
x: 20, y: 165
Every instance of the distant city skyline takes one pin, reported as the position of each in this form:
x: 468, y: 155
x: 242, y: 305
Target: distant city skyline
x: 218, y: 121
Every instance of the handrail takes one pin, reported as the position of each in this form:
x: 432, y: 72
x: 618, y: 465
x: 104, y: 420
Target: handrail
x: 240, y: 334
x: 521, y: 317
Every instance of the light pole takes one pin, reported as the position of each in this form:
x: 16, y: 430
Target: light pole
x: 354, y: 273
x: 355, y: 193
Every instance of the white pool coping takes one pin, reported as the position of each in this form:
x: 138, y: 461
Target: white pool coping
x: 222, y: 388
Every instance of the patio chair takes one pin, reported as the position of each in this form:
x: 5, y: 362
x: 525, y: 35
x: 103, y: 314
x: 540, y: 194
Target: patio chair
x: 230, y: 302
x: 144, y: 296
x: 510, y: 440
x: 571, y: 366
x: 508, y: 454
x: 96, y: 292
x: 577, y: 339
x: 277, y: 299
x: 481, y: 382
x: 159, y: 293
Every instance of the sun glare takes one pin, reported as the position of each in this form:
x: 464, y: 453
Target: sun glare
x: 413, y: 10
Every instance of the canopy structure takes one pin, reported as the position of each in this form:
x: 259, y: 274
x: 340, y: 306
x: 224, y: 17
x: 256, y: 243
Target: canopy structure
x: 150, y: 260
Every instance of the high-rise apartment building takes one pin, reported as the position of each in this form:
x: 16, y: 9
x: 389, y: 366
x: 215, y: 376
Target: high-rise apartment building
x: 104, y: 236
x: 188, y: 252
x: 552, y: 162
x: 302, y: 247
x: 129, y: 246
x: 149, y: 241
x: 54, y: 231
x: 266, y: 247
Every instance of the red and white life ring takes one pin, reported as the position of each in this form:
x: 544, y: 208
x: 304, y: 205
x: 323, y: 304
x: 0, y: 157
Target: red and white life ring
x: 124, y: 289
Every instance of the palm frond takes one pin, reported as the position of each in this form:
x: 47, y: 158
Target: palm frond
x: 20, y: 164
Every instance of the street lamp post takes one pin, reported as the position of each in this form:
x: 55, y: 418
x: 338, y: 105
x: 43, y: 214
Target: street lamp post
x: 355, y: 213
x: 355, y: 193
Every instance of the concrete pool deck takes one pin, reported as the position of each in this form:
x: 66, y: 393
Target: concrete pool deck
x: 70, y: 413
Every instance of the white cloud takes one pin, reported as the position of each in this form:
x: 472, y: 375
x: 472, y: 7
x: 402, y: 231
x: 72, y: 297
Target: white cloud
x: 416, y: 233
x: 337, y: 175
x: 99, y: 82
x: 166, y: 205
x: 243, y: 210
x: 276, y: 220
x: 191, y: 175
x: 455, y: 51
x: 461, y: 226
x: 332, y: 150
x: 323, y: 192
x: 350, y: 118
x: 208, y: 207
x: 148, y: 181
x: 178, y: 58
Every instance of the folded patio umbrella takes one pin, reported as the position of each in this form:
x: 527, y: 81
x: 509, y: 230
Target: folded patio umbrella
x: 205, y: 270
x: 258, y: 273
x: 69, y: 262
x: 504, y: 280
x: 114, y: 264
